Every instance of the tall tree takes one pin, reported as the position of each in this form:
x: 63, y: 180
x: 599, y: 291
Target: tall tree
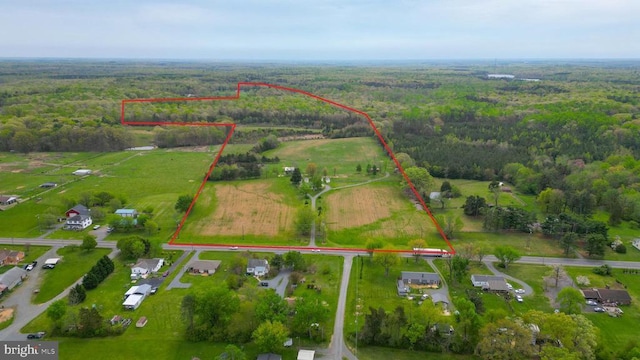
x: 474, y: 205
x: 570, y: 300
x: 568, y: 242
x: 296, y: 177
x: 596, y: 245
x: 270, y: 336
x: 372, y: 245
x: 56, y: 312
x: 495, y: 189
x: 232, y: 352
x: 304, y: 221
x: 312, y: 169
x: 420, y: 178
x: 506, y: 255
x: 450, y: 224
x: 89, y: 242
x: 387, y: 260
x: 183, y: 203
x: 505, y: 340
x: 272, y: 307
x: 77, y: 294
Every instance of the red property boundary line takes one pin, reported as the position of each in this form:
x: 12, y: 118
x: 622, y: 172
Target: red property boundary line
x: 232, y: 129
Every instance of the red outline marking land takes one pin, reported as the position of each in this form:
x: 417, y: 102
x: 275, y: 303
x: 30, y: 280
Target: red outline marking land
x: 232, y: 129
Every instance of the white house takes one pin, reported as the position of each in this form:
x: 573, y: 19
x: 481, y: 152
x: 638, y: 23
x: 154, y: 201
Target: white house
x: 8, y: 200
x: 142, y: 290
x: 132, y: 302
x: 132, y: 290
x: 257, y: 267
x: 82, y: 172
x: 78, y: 222
x: 144, y: 267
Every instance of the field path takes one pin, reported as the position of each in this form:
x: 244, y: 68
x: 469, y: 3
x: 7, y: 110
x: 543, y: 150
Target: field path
x: 327, y: 188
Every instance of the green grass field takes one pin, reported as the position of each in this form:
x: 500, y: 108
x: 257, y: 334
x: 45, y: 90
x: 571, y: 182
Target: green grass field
x: 31, y: 253
x: 74, y: 264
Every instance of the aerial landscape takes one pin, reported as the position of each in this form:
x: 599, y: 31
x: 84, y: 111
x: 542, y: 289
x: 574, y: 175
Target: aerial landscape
x: 262, y: 197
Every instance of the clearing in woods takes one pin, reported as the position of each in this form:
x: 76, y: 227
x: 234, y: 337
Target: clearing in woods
x: 248, y: 208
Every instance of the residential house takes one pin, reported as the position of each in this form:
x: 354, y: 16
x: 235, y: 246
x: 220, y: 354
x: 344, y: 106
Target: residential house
x: 269, y: 357
x: 440, y: 298
x: 10, y: 257
x: 144, y: 290
x: 12, y: 278
x: 145, y: 267
x: 591, y: 294
x: 208, y: 267
x: 420, y: 278
x: 258, y: 267
x: 483, y: 280
x: 78, y: 222
x: 127, y: 213
x: 78, y: 210
x: 611, y: 296
x: 636, y: 244
x: 8, y: 200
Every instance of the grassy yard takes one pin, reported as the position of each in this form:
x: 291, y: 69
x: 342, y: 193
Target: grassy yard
x: 31, y: 253
x: 162, y: 337
x: 532, y: 275
x: 614, y: 332
x: 535, y: 245
x: 375, y: 353
x: 74, y: 264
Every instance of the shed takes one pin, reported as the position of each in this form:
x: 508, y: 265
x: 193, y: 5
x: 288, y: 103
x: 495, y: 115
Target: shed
x: 141, y: 322
x: 52, y: 261
x: 306, y: 354
x: 133, y: 302
x: 13, y: 277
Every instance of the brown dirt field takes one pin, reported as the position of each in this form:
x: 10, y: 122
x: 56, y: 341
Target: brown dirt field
x: 361, y: 205
x: 251, y: 207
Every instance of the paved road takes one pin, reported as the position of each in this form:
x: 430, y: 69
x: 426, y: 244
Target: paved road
x: 176, y: 283
x: 337, y: 348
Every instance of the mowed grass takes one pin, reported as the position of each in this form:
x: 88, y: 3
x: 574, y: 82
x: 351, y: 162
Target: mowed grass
x: 74, y: 264
x: 339, y: 156
x: 614, y: 332
x: 376, y: 353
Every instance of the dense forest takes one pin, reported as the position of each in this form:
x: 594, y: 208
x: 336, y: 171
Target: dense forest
x: 570, y: 129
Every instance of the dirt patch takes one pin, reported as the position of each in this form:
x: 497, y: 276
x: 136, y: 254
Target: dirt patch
x: 249, y: 208
x: 361, y: 205
x: 551, y: 290
x: 6, y: 315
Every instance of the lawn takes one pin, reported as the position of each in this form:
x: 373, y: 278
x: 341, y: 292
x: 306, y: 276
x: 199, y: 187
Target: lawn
x: 376, y: 353
x: 31, y: 253
x: 162, y: 337
x: 526, y: 244
x: 73, y: 265
x: 532, y: 275
x: 614, y: 332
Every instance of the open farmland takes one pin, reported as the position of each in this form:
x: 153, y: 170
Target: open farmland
x: 248, y: 207
x: 361, y: 205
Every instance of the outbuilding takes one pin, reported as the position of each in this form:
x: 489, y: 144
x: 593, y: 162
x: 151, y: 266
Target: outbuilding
x: 133, y: 301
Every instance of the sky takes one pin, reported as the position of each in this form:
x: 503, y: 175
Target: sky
x: 321, y: 30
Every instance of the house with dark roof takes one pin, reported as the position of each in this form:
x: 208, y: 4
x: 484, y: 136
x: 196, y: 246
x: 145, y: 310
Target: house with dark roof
x: 269, y: 357
x: 439, y: 298
x: 403, y: 290
x: 257, y: 267
x: 490, y: 282
x: 420, y: 278
x: 78, y: 210
x: 608, y: 296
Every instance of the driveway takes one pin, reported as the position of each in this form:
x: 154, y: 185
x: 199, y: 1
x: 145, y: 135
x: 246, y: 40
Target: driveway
x: 528, y: 290
x: 176, y: 283
x: 279, y: 283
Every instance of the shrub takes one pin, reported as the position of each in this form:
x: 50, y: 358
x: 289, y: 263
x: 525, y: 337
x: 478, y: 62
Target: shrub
x: 621, y: 249
x: 583, y: 280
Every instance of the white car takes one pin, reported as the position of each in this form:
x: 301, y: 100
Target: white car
x: 509, y: 286
x: 315, y: 250
x: 519, y: 298
x: 96, y: 227
x: 233, y: 248
x: 519, y: 291
x: 592, y: 303
x: 29, y: 267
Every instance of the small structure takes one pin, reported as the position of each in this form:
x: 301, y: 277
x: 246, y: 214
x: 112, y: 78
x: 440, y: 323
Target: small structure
x: 207, y: 267
x: 8, y: 200
x: 127, y: 213
x: 115, y: 320
x: 132, y: 290
x: 12, y: 278
x: 145, y: 267
x: 306, y: 355
x: 257, y: 267
x: 10, y: 257
x: 82, y: 172
x: 434, y: 195
x: 132, y: 302
x: 288, y: 170
x: 52, y: 261
x: 269, y: 357
x: 48, y: 185
x: 439, y: 298
x: 141, y: 322
x: 636, y: 243
x: 591, y: 294
x: 403, y: 290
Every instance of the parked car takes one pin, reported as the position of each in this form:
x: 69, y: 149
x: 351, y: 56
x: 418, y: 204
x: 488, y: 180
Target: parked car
x: 48, y: 266
x: 598, y: 309
x: 509, y: 286
x: 592, y: 302
x: 165, y: 274
x: 29, y: 267
x: 315, y: 250
x: 38, y: 335
x: 233, y: 248
x: 264, y: 283
x: 96, y: 227
x: 519, y: 291
x: 519, y: 298
x: 154, y: 290
x: 109, y: 229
